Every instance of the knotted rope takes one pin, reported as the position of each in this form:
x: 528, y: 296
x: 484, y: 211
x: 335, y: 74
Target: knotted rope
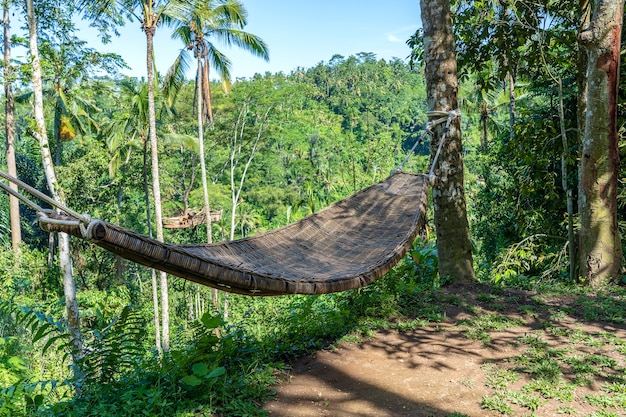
x: 83, y: 221
x: 444, y: 116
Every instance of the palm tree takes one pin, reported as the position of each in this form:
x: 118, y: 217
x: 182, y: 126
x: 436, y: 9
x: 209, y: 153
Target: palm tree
x: 248, y: 220
x: 223, y: 20
x: 70, y: 65
x: 108, y: 13
x: 128, y: 131
x: 487, y: 101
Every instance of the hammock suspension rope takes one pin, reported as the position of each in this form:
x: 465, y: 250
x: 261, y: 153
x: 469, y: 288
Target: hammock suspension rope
x: 444, y: 117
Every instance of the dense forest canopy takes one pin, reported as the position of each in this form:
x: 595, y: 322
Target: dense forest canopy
x: 278, y: 147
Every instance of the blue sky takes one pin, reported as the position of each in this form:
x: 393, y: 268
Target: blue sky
x: 298, y: 33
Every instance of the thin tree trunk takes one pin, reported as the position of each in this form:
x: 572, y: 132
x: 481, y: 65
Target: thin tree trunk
x: 599, y: 239
x: 236, y: 191
x: 155, y: 286
x: 9, y: 129
x: 511, y: 106
x: 156, y: 185
x: 205, y: 187
x: 581, y: 76
x: 65, y: 261
x: 581, y: 79
x: 568, y: 192
x: 484, y: 136
x: 452, y: 228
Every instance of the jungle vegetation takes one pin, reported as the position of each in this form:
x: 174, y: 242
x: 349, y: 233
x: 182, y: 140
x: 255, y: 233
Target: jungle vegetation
x: 276, y: 147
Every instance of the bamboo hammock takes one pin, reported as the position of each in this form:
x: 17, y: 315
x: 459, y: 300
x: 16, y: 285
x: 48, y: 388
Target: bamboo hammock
x: 347, y: 245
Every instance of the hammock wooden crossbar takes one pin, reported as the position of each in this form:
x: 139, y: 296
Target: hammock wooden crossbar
x: 347, y: 245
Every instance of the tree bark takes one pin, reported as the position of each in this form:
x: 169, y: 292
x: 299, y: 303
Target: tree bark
x: 452, y: 228
x: 205, y: 187
x: 65, y: 261
x: 149, y: 27
x: 599, y: 240
x: 9, y: 129
x: 511, y: 107
x: 155, y: 286
x: 566, y: 189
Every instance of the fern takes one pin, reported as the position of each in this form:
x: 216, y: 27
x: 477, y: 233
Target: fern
x: 25, y: 397
x: 39, y: 325
x: 115, y: 349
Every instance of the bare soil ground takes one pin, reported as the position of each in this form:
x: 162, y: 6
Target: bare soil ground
x: 438, y: 370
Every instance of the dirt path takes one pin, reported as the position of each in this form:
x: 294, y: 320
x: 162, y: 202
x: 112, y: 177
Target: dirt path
x: 437, y: 371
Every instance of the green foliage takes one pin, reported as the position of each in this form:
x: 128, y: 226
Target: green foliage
x: 38, y: 325
x: 497, y: 402
x: 333, y: 129
x: 525, y: 264
x: 478, y: 327
x: 27, y: 278
x: 114, y: 349
x: 19, y: 395
x: 426, y: 261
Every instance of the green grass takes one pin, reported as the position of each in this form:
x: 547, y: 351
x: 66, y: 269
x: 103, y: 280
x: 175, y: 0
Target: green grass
x: 558, y: 390
x: 552, y: 363
x: 497, y: 402
x: 530, y: 401
x: 480, y: 326
x: 557, y: 360
x: 500, y: 378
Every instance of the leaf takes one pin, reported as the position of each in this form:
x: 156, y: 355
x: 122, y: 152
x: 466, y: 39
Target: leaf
x: 211, y: 322
x: 192, y: 380
x: 217, y: 372
x: 51, y: 341
x: 41, y: 332
x: 200, y: 369
x: 16, y: 363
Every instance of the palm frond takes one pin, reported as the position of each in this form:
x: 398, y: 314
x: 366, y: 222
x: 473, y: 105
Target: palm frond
x: 244, y: 40
x: 175, y: 77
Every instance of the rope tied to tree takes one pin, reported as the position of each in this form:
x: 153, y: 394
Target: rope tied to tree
x: 451, y: 115
x: 83, y: 221
x: 444, y: 116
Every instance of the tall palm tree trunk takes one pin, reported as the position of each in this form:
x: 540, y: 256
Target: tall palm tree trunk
x: 452, y: 228
x: 65, y: 261
x: 9, y: 129
x: 149, y: 29
x: 155, y: 286
x: 205, y: 187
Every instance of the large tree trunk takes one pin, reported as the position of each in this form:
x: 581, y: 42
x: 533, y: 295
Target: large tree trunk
x: 65, y: 261
x: 149, y: 28
x: 452, y: 228
x: 600, y: 245
x: 9, y: 129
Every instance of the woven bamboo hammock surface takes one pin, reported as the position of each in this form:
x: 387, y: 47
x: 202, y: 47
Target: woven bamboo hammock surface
x: 345, y: 246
